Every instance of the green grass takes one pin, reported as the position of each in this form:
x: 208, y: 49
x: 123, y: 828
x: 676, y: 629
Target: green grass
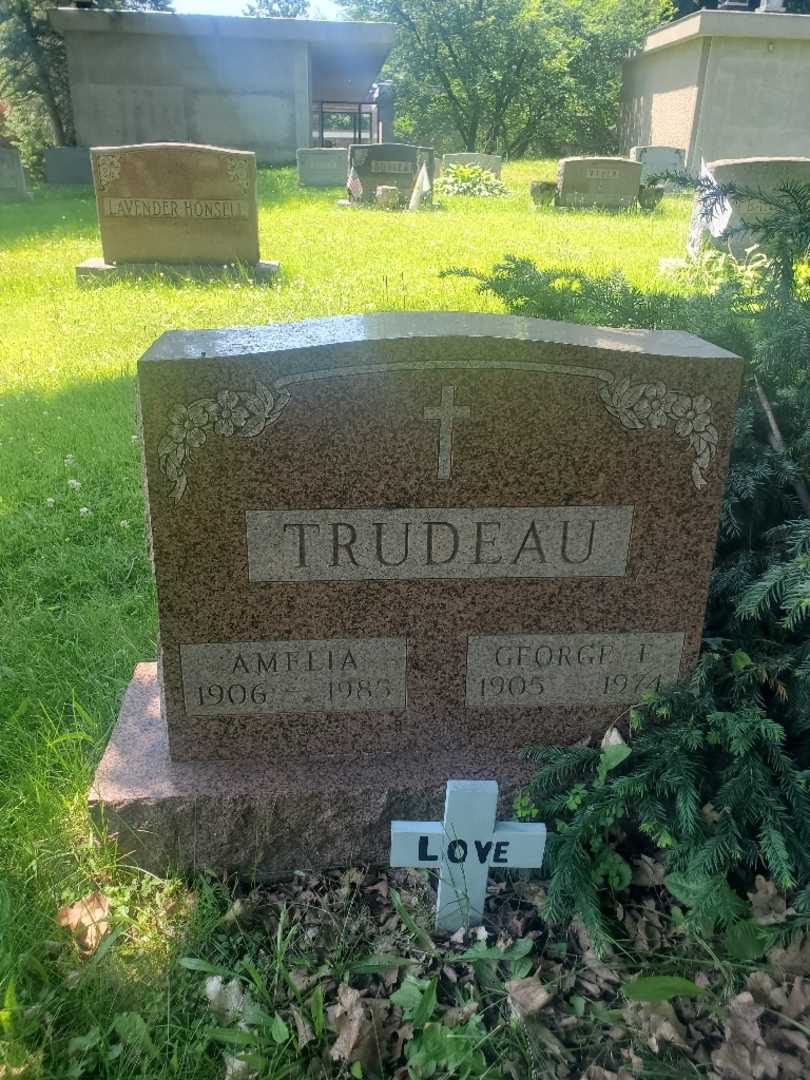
x: 76, y: 589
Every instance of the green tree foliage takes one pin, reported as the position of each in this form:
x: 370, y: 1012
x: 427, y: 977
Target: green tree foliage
x: 277, y: 9
x: 717, y: 777
x: 511, y: 76
x: 33, y: 69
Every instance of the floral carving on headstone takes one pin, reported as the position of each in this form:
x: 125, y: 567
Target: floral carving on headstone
x: 108, y: 169
x: 637, y: 406
x: 232, y: 412
x: 237, y: 169
x: 359, y: 157
x: 652, y: 405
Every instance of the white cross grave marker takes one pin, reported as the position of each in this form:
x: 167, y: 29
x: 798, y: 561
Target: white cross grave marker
x: 447, y: 413
x: 464, y: 846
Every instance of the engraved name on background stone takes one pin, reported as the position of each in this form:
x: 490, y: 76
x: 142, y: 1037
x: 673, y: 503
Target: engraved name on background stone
x: 160, y: 206
x: 413, y: 543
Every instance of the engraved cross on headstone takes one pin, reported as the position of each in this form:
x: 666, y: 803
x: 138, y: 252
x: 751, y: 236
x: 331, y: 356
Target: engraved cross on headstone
x: 464, y: 846
x: 446, y: 414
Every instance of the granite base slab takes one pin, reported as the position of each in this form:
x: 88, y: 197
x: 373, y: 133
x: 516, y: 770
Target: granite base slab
x: 262, y: 819
x: 96, y: 271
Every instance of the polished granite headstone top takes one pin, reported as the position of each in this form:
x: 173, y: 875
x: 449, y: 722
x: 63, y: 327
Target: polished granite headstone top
x: 397, y: 532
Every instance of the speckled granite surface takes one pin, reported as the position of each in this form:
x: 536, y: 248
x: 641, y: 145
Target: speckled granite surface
x: 332, y: 415
x: 266, y: 817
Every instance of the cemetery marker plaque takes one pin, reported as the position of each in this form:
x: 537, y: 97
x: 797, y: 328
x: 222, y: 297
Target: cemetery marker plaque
x: 394, y: 548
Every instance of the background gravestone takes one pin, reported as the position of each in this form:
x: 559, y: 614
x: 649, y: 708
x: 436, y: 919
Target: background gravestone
x: 390, y: 549
x: 427, y: 156
x: 68, y: 166
x: 656, y: 160
x: 387, y: 164
x: 322, y: 166
x: 175, y: 206
x: 607, y: 182
x: 12, y: 177
x: 491, y: 162
x: 764, y: 174
x: 176, y: 203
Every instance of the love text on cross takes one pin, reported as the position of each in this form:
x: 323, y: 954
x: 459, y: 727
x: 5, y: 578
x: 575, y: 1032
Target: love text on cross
x: 464, y: 846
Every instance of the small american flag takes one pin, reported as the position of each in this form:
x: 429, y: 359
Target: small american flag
x: 353, y: 185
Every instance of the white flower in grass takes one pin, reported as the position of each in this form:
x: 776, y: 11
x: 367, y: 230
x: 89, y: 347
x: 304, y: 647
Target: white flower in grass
x: 74, y: 485
x: 50, y: 503
x: 124, y: 524
x: 70, y: 459
x: 134, y: 438
x: 84, y: 511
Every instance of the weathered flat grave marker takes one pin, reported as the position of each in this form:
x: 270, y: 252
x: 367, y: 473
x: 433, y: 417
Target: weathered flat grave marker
x: 611, y: 183
x: 171, y: 205
x: 463, y: 846
x: 394, y: 548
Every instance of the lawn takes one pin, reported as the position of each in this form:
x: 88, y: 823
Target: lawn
x: 75, y: 584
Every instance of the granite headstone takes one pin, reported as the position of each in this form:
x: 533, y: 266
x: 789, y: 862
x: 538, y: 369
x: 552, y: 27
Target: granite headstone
x: 394, y: 548
x: 175, y: 204
x: 322, y: 166
x: 657, y: 160
x: 68, y: 166
x: 608, y: 182
x: 12, y: 177
x: 725, y: 226
x: 387, y: 164
x: 491, y: 162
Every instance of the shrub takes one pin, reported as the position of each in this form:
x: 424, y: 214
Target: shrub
x: 469, y: 180
x: 730, y: 796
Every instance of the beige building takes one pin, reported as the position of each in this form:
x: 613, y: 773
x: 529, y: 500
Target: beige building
x: 722, y: 84
x: 267, y: 85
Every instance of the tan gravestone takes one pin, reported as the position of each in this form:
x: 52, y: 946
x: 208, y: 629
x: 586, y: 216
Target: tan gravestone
x: 175, y: 205
x: 725, y: 227
x: 608, y: 182
x: 393, y: 549
x: 12, y: 177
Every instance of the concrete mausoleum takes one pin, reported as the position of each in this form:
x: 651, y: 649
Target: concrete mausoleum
x: 721, y: 84
x: 249, y: 84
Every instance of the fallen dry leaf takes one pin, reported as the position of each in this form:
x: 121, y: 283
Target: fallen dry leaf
x: 228, y: 1001
x: 656, y: 1022
x: 87, y: 920
x: 459, y: 1014
x: 236, y: 1069
x: 528, y: 996
x: 359, y: 1023
x: 768, y: 906
x: 303, y: 1027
